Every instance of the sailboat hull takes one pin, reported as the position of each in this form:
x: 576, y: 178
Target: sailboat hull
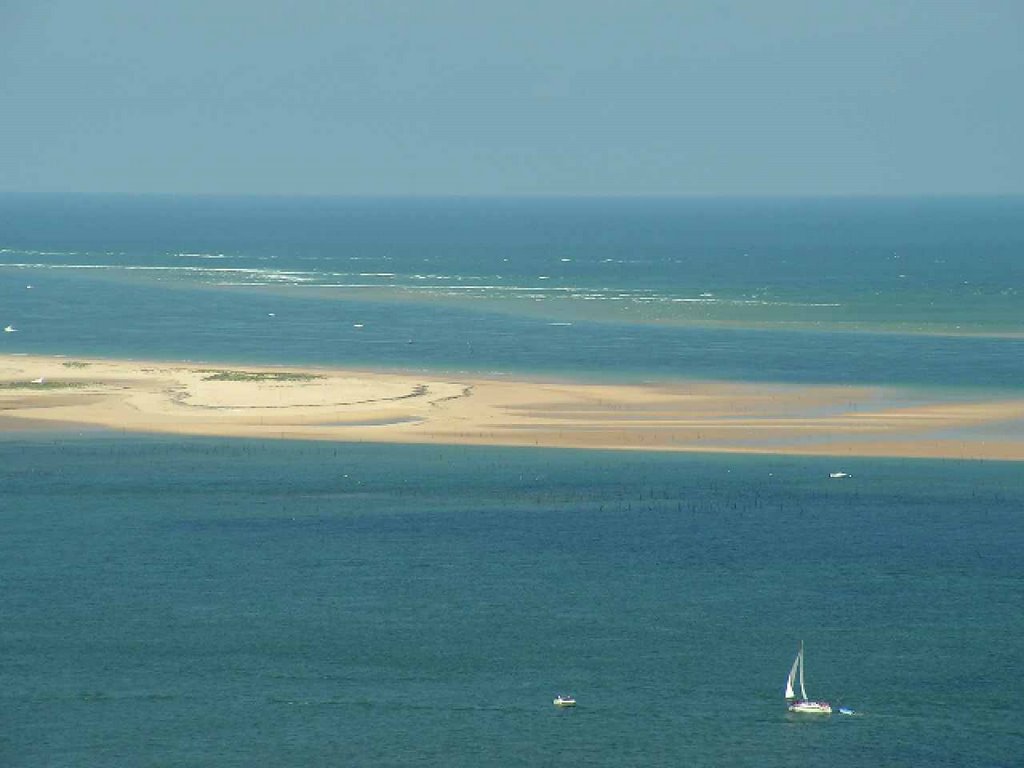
x: 811, y: 707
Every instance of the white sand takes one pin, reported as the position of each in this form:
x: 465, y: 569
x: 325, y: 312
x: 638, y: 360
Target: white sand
x: 321, y: 404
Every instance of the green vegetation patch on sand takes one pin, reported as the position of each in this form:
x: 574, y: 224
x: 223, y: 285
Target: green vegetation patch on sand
x: 50, y: 385
x: 259, y: 376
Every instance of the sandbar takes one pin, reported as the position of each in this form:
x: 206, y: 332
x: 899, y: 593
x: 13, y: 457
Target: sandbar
x: 184, y: 398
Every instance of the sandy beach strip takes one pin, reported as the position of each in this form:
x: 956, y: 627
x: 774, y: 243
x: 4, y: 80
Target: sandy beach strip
x: 44, y: 392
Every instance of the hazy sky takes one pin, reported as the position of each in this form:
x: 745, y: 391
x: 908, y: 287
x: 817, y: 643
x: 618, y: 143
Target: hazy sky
x: 689, y: 97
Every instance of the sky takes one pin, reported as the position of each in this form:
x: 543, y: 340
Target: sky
x: 533, y: 97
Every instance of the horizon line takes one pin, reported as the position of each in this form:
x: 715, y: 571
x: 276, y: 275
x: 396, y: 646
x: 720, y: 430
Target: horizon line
x: 519, y: 196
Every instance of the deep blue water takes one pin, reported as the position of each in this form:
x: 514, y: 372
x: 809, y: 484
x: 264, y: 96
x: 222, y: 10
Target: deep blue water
x: 230, y: 603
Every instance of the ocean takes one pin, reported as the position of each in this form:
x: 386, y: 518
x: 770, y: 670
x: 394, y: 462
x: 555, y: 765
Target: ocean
x: 213, y: 602
x: 899, y: 291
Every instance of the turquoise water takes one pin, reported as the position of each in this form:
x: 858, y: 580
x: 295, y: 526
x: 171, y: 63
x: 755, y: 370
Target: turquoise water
x: 229, y: 603
x: 898, y: 291
x: 944, y: 265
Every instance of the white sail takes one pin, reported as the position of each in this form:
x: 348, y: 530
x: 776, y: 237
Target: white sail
x: 792, y: 676
x: 796, y: 670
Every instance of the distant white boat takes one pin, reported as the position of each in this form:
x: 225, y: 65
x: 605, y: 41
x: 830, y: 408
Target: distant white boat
x: 803, y: 704
x: 10, y: 329
x: 835, y: 475
x: 564, y: 701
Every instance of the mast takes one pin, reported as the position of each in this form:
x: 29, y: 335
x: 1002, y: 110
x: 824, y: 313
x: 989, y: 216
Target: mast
x: 803, y: 692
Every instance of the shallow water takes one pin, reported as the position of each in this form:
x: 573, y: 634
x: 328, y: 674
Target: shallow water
x: 917, y: 292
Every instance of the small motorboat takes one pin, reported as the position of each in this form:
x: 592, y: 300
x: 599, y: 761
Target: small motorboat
x: 564, y: 701
x: 837, y: 475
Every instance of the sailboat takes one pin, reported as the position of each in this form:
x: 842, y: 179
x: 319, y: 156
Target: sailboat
x: 803, y: 704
